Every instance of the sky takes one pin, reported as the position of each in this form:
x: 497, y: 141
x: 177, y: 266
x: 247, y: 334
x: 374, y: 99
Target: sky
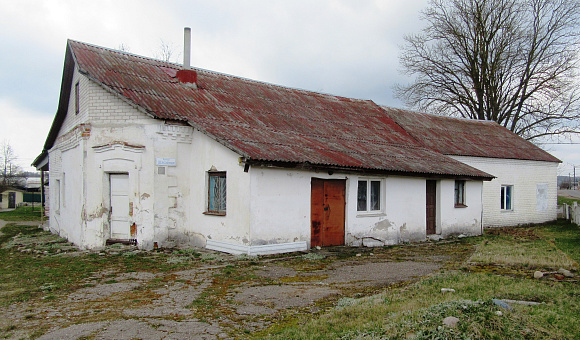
x: 342, y: 47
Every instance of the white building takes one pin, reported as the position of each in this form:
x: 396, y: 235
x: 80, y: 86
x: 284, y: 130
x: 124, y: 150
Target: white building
x: 524, y: 189
x: 153, y: 153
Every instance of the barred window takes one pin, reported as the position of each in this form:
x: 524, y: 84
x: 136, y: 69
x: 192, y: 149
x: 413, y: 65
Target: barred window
x: 216, y: 193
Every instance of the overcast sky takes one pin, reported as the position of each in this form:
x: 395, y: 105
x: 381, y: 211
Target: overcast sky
x: 347, y: 48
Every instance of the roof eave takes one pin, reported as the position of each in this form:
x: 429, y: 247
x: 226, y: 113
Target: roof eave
x: 65, y: 88
x: 368, y: 171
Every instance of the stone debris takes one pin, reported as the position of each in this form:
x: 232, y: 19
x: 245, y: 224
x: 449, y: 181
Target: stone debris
x: 502, y: 304
x: 450, y: 321
x: 498, y: 313
x: 447, y: 290
x: 518, y: 302
x: 565, y: 272
x: 538, y: 274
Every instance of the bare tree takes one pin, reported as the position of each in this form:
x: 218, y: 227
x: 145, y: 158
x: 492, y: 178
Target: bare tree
x: 510, y: 61
x: 167, y: 52
x: 10, y: 172
x: 124, y: 47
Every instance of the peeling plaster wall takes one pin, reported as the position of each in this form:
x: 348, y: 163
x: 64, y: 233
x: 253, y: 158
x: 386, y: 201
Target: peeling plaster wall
x: 526, y: 177
x: 280, y: 205
x: 402, y: 215
x: 454, y: 221
x: 108, y: 136
x: 66, y: 169
x: 280, y: 209
x: 233, y: 228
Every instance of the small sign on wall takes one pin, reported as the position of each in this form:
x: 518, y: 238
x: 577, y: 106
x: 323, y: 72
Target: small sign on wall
x: 162, y: 161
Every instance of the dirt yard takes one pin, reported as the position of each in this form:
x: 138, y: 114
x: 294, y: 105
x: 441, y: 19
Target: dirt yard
x: 217, y: 296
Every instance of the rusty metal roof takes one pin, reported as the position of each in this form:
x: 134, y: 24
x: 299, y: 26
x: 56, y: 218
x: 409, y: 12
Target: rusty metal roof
x: 467, y: 137
x: 268, y: 123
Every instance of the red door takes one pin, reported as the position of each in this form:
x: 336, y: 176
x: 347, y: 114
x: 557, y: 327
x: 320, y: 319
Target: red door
x: 327, y: 212
x: 431, y: 206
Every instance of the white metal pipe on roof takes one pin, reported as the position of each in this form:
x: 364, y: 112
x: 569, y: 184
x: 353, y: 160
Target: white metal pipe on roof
x: 186, y: 47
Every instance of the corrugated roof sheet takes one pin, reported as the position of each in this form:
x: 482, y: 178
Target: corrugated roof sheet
x: 265, y: 122
x: 467, y: 137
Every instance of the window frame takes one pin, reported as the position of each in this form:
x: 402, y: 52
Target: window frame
x: 57, y: 196
x: 459, y: 202
x: 219, y: 211
x: 503, y: 197
x: 369, y: 189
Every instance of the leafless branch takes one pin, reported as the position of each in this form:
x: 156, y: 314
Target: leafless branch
x: 510, y: 61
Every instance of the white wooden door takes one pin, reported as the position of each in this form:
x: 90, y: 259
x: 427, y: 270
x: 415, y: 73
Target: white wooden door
x: 120, y: 228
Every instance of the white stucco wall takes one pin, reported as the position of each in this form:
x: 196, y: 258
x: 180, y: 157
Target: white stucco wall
x: 109, y: 135
x: 525, y: 176
x: 233, y: 228
x: 454, y: 221
x: 65, y: 183
x: 281, y: 209
x: 268, y: 210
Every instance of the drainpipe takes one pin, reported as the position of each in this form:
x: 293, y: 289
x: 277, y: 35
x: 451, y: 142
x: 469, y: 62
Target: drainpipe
x: 481, y: 195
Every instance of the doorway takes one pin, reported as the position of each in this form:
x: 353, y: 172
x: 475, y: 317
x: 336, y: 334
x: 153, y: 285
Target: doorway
x: 119, y: 214
x: 12, y: 199
x: 431, y: 207
x: 327, y: 212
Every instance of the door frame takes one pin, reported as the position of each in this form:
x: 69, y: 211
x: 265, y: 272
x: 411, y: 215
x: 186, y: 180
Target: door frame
x: 431, y: 192
x: 130, y: 213
x: 12, y: 200
x: 319, y: 210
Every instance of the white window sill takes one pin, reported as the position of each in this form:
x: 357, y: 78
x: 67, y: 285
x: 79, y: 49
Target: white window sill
x: 370, y: 214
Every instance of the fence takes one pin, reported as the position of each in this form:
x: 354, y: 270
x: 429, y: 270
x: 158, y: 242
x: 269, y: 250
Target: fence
x: 570, y: 212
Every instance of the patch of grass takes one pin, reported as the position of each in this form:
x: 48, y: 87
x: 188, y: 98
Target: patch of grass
x: 566, y: 237
x: 519, y: 247
x: 22, y: 214
x: 211, y: 302
x: 417, y: 310
x: 567, y: 200
x: 303, y: 278
x: 313, y: 256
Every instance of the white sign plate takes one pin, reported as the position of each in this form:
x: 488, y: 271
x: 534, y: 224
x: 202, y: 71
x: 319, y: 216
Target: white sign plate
x: 162, y: 161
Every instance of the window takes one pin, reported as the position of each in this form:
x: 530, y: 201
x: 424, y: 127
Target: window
x: 507, y: 197
x: 216, y: 193
x: 460, y: 194
x: 368, y: 195
x: 77, y: 94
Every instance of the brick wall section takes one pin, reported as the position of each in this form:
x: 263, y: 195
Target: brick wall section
x: 106, y: 108
x: 72, y: 118
x: 524, y: 176
x: 98, y: 106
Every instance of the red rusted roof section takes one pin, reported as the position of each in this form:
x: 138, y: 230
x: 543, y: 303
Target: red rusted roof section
x: 265, y: 122
x: 467, y: 137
